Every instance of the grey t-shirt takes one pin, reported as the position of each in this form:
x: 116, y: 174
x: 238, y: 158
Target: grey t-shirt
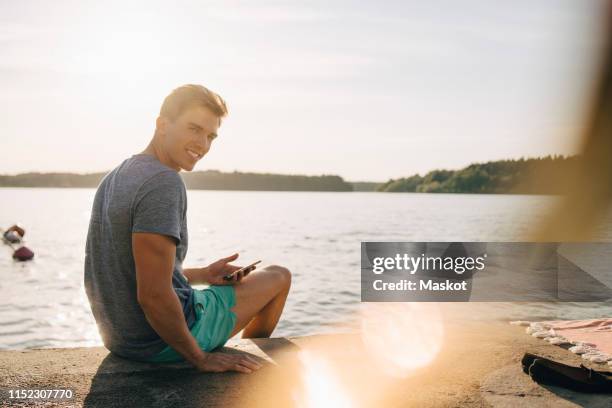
x: 140, y: 195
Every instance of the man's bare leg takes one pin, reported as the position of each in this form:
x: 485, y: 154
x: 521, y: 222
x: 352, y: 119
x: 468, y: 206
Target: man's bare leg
x: 260, y: 298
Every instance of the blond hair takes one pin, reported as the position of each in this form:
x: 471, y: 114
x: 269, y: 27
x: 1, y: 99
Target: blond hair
x: 190, y: 95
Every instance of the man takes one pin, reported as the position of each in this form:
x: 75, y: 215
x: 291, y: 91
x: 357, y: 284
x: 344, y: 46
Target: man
x: 140, y: 295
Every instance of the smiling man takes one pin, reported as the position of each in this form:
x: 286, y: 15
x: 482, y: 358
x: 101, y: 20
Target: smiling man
x: 139, y: 292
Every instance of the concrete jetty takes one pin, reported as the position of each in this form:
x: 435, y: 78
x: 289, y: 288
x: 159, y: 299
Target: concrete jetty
x: 479, y: 365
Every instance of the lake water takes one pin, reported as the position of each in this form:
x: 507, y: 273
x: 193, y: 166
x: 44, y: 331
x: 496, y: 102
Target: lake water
x: 316, y: 235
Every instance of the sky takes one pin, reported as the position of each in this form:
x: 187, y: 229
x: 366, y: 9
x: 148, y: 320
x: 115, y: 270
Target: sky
x: 365, y: 90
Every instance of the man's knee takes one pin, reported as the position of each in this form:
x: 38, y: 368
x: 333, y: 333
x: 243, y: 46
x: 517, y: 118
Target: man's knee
x: 283, y: 275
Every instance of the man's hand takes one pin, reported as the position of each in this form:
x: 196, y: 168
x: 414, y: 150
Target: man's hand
x: 213, y: 274
x: 218, y: 362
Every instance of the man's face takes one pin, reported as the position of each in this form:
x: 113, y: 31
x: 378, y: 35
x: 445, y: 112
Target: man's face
x: 188, y: 138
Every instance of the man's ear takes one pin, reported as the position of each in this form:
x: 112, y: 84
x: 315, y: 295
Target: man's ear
x: 160, y: 124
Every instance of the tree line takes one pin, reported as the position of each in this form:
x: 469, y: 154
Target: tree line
x: 542, y: 175
x: 199, y: 180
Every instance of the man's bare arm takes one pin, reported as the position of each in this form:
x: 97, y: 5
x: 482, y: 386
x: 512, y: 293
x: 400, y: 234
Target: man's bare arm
x: 196, y: 276
x: 154, y: 256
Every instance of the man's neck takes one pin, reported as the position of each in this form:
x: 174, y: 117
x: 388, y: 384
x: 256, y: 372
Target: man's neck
x: 153, y: 150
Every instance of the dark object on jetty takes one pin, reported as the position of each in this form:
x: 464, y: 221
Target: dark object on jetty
x: 582, y: 379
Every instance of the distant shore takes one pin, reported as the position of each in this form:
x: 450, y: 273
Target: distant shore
x: 199, y: 180
x: 546, y: 175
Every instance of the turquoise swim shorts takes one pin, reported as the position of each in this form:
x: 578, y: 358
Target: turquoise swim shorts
x: 214, y: 321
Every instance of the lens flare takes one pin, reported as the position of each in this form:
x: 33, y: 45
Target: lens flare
x: 401, y: 337
x: 320, y: 385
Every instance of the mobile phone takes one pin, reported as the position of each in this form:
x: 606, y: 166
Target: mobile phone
x: 248, y: 267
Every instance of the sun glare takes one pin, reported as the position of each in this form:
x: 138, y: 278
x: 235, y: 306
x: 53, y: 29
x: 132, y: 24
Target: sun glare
x: 320, y: 384
x: 401, y: 337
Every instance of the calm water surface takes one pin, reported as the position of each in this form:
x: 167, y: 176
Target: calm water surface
x: 316, y: 235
